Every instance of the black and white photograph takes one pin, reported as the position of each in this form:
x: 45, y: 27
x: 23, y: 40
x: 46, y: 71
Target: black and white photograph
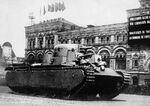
x: 74, y: 52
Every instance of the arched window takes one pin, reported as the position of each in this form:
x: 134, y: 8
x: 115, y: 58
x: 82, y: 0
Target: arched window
x: 124, y: 38
x: 87, y: 41
x: 48, y: 58
x: 30, y: 44
x: 120, y: 57
x: 33, y: 43
x: 31, y: 59
x: 102, y: 40
x: 105, y: 57
x: 107, y: 39
x: 40, y: 40
x: 79, y: 40
x: 135, y: 80
x: 39, y: 58
x: 93, y: 40
x: 135, y: 61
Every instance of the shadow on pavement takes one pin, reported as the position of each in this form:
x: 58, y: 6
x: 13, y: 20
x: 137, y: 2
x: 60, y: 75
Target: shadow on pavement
x: 70, y: 99
x: 4, y: 89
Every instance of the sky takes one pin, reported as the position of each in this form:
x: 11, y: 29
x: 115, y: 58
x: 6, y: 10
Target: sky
x: 14, y: 16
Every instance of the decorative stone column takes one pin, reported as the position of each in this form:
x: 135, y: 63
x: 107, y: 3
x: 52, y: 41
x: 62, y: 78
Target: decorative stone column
x: 26, y: 43
x: 55, y: 39
x: 36, y: 42
x: 69, y: 41
x: 82, y: 41
x: 128, y: 62
x: 112, y: 38
x: 96, y: 39
x: 44, y: 42
x: 99, y: 40
x: 112, y: 62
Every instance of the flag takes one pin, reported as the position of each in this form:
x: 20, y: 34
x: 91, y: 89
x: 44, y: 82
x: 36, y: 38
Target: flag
x: 44, y: 11
x: 60, y: 6
x: 56, y: 7
x: 49, y: 8
x: 52, y: 8
x: 63, y: 6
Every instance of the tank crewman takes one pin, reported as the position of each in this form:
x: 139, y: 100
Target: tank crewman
x: 83, y: 58
x: 97, y: 60
x: 101, y: 63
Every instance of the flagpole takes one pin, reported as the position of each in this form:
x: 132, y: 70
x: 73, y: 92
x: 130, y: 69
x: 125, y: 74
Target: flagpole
x: 41, y: 12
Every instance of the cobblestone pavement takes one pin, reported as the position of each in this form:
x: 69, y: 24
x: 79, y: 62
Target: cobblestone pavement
x: 7, y: 98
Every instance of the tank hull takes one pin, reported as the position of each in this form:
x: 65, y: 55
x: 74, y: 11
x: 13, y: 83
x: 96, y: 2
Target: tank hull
x: 64, y: 81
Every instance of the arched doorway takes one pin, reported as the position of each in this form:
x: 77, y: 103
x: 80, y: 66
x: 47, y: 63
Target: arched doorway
x: 47, y: 58
x: 39, y: 58
x: 135, y: 80
x: 120, y: 57
x: 105, y: 57
x: 31, y: 59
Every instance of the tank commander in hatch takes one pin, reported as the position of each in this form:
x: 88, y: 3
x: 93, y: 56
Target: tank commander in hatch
x: 97, y: 60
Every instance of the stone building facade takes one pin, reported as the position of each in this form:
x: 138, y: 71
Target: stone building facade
x: 109, y: 41
x: 138, y: 53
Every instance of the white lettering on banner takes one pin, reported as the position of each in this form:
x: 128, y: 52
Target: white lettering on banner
x: 131, y: 23
x: 148, y: 22
x: 147, y: 31
x: 139, y: 37
x: 145, y: 17
x: 139, y: 27
x: 135, y: 33
x: 147, y: 36
x: 143, y: 32
x: 139, y: 18
x: 135, y: 18
x: 135, y: 37
x: 139, y: 32
x: 140, y: 22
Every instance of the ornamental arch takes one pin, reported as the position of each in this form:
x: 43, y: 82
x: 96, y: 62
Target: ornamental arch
x: 31, y: 58
x: 91, y: 51
x: 120, y: 58
x: 105, y: 54
x: 135, y: 80
x: 48, y: 57
x: 39, y: 57
x: 118, y: 48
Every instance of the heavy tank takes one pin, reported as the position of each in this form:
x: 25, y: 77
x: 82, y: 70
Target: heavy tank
x: 72, y: 72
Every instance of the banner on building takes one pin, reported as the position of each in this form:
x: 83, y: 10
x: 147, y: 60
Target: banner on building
x: 139, y: 29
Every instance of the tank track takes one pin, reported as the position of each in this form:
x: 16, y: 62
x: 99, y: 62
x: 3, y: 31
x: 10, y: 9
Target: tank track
x: 126, y: 79
x: 84, y: 89
x: 87, y: 88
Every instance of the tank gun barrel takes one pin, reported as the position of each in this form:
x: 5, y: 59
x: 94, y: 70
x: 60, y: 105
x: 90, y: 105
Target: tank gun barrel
x: 86, y: 48
x: 85, y: 56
